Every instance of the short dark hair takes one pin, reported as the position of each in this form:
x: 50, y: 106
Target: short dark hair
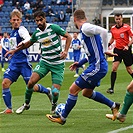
x: 39, y: 14
x: 118, y: 14
x: 79, y: 14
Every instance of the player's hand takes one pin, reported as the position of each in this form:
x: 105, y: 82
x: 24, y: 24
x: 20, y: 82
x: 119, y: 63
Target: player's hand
x: 10, y: 53
x: 125, y: 48
x: 63, y: 55
x: 73, y: 66
x: 111, y: 54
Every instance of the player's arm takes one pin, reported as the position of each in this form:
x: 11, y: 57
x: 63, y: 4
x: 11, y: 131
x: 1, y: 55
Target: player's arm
x: 59, y: 31
x: 111, y: 41
x: 68, y: 41
x: 131, y: 38
x: 20, y: 46
x: 75, y: 65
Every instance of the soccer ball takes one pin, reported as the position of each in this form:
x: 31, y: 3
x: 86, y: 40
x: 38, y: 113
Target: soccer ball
x: 60, y: 108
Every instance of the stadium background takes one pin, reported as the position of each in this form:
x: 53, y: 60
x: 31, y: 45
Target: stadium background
x: 102, y: 10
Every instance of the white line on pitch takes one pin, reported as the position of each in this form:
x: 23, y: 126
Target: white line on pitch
x: 121, y: 129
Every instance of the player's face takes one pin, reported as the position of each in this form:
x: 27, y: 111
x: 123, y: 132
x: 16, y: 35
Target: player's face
x: 15, y: 21
x: 118, y: 20
x: 75, y: 35
x: 41, y: 22
x: 5, y: 35
x: 75, y: 23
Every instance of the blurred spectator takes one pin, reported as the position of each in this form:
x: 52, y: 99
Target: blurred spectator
x: 69, y: 2
x: 29, y: 13
x: 26, y: 19
x: 45, y: 9
x: 21, y: 3
x: 62, y: 16
x: 68, y: 10
x: 50, y: 11
x: 40, y: 5
x: 53, y: 2
x: 56, y: 17
x: 1, y: 4
x: 14, y: 2
x: 61, y: 2
x: 96, y: 21
x: 58, y: 2
x: 26, y: 6
x: 17, y: 6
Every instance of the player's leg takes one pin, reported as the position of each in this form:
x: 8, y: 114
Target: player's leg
x: 77, y: 69
x: 115, y: 65
x: 70, y: 103
x: 10, y: 76
x: 42, y: 72
x: 2, y: 60
x: 57, y: 73
x: 127, y: 59
x: 128, y: 101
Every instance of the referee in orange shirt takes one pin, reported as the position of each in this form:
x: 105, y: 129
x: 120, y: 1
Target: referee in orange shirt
x: 120, y: 34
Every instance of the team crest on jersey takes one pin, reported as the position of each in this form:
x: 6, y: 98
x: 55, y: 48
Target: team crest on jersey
x: 46, y: 42
x: 122, y: 35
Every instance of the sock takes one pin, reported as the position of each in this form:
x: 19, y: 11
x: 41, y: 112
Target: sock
x: 128, y: 100
x: 57, y: 92
x: 113, y: 78
x: 70, y: 103
x: 42, y: 89
x: 97, y: 96
x: 2, y: 64
x: 131, y: 75
x: 28, y: 95
x: 77, y: 70
x: 7, y: 97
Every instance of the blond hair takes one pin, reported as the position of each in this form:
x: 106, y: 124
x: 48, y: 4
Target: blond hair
x: 17, y: 13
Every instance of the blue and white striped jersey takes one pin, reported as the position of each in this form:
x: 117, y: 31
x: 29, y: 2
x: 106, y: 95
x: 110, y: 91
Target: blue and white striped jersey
x: 16, y: 36
x: 94, y: 41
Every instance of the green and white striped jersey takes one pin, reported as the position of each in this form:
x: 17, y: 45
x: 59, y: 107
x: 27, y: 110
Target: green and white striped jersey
x: 50, y: 43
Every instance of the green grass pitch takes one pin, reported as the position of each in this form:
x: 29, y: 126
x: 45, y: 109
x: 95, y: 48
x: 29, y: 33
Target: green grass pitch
x: 86, y: 117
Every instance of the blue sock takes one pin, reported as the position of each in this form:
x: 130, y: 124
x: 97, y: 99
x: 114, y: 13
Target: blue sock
x: 42, y: 89
x: 77, y: 70
x: 7, y: 97
x: 2, y: 64
x: 70, y: 103
x: 97, y: 96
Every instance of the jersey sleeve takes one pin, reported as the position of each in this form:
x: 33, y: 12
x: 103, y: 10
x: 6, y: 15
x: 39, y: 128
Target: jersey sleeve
x: 33, y: 37
x: 90, y: 30
x: 23, y: 32
x: 130, y: 32
x: 58, y: 30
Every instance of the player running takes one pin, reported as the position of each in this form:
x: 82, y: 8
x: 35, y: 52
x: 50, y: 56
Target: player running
x: 90, y: 78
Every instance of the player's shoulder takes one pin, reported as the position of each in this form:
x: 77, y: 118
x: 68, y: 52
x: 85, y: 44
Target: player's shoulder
x: 126, y: 25
x: 52, y: 25
x: 22, y: 28
x: 114, y: 26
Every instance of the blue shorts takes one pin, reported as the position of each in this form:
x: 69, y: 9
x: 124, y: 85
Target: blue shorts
x: 15, y: 70
x: 91, y: 77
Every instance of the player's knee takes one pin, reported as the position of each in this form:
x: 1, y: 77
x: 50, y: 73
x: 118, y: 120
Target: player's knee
x: 35, y: 88
x: 5, y: 84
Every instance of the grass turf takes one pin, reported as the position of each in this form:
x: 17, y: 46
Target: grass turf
x: 86, y: 117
